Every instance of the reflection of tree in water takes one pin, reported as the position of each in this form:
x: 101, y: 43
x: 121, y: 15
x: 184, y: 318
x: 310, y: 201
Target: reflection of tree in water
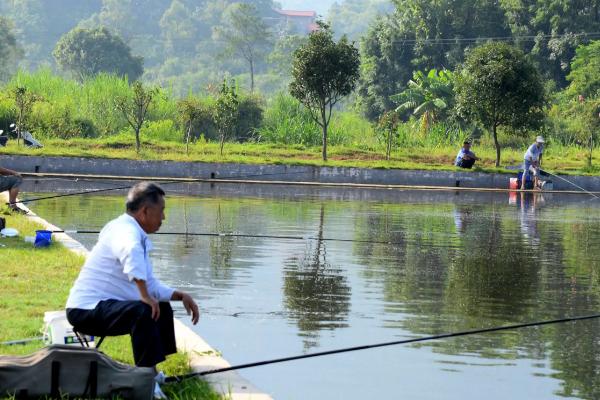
x: 316, y: 294
x: 220, y: 249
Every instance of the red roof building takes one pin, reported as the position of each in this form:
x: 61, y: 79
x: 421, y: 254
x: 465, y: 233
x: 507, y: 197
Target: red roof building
x: 302, y: 21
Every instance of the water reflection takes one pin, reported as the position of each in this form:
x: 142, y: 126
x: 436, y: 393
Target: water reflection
x: 456, y: 263
x: 316, y: 293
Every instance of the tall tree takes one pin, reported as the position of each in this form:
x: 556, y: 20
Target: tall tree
x: 245, y: 34
x: 499, y: 86
x: 323, y: 73
x: 86, y: 52
x: 421, y: 35
x: 10, y: 50
x: 559, y: 26
x: 585, y: 71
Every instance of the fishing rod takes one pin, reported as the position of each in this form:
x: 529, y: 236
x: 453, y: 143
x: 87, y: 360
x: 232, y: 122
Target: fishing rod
x: 568, y: 181
x: 243, y: 235
x: 181, y: 180
x: 179, y: 378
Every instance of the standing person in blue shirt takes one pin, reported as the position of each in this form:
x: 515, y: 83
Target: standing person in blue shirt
x: 533, y: 162
x: 465, y: 158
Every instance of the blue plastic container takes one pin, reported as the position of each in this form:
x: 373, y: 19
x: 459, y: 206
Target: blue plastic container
x: 42, y: 238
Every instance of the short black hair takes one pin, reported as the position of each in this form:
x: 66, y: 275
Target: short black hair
x: 466, y: 142
x: 143, y: 193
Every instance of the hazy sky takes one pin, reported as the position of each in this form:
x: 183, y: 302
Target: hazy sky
x: 320, y: 6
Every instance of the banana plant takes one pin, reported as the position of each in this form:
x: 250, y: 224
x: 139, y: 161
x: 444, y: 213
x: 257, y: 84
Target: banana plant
x: 427, y: 96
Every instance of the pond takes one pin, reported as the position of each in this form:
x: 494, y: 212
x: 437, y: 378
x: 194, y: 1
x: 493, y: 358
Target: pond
x: 414, y: 264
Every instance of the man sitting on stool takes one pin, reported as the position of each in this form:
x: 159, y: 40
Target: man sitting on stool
x: 116, y: 292
x: 465, y: 158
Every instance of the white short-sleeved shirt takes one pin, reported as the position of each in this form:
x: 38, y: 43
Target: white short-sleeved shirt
x: 533, y: 152
x: 121, y: 255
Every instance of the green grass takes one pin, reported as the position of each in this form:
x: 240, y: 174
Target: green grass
x: 33, y: 281
x: 558, y: 159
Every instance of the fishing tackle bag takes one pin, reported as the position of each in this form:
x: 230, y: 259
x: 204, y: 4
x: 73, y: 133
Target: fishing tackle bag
x: 77, y: 371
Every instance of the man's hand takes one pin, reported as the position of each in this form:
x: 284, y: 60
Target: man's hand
x: 146, y: 298
x: 191, y: 307
x: 188, y: 303
x: 153, y: 303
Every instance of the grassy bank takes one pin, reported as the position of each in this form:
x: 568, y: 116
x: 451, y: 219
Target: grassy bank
x: 33, y: 281
x: 567, y: 160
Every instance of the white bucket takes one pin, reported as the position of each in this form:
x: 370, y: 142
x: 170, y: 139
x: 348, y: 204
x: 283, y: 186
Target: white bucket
x: 57, y: 330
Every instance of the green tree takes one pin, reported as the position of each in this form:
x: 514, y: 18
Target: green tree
x: 86, y: 53
x: 226, y: 111
x: 324, y: 72
x: 559, y: 27
x: 134, y: 107
x: 283, y: 53
x: 189, y: 109
x: 24, y: 101
x: 585, y: 71
x: 388, y: 125
x: 246, y: 35
x: 9, y: 49
x: 499, y: 86
x: 427, y: 96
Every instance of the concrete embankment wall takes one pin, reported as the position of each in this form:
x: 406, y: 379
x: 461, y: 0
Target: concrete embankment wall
x: 292, y: 173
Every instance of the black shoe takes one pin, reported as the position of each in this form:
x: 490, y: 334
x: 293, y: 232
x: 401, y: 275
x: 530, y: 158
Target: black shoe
x: 18, y: 210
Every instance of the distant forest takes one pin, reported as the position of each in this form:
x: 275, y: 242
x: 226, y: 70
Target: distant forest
x: 191, y: 45
x: 181, y: 41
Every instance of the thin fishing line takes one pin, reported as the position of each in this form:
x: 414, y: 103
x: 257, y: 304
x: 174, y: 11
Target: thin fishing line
x: 572, y: 183
x: 384, y: 344
x: 244, y: 235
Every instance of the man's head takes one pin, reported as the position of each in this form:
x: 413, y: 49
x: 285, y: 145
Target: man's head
x: 146, y: 203
x: 466, y: 145
x: 539, y: 141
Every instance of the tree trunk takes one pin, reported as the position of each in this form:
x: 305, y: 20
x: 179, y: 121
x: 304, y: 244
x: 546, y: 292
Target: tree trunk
x: 222, y: 142
x: 389, y: 145
x: 497, y: 145
x: 324, y: 119
x: 251, y: 76
x: 187, y: 139
x: 137, y: 140
x: 591, y: 151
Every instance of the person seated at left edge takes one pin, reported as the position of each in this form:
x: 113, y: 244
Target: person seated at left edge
x: 465, y: 158
x: 116, y: 292
x: 10, y: 181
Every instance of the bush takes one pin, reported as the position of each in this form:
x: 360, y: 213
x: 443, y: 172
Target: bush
x: 289, y: 122
x: 250, y: 117
x: 162, y: 130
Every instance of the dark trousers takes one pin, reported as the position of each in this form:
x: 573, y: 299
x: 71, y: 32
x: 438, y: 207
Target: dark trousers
x: 465, y: 163
x: 151, y: 340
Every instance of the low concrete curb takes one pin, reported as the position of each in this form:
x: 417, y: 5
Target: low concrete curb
x: 202, y: 356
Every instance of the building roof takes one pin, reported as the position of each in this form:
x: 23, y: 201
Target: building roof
x: 295, y: 13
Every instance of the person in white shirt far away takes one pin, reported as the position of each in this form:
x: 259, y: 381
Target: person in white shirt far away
x: 533, y: 162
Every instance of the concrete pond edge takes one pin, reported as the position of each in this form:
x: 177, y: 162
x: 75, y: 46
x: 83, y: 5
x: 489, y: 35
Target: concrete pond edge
x: 201, y: 355
x: 278, y: 172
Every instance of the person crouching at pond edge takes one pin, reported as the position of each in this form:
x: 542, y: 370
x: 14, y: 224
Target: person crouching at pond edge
x: 116, y: 292
x: 465, y: 158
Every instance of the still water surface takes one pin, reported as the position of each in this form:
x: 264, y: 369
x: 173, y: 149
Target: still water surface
x: 456, y: 262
